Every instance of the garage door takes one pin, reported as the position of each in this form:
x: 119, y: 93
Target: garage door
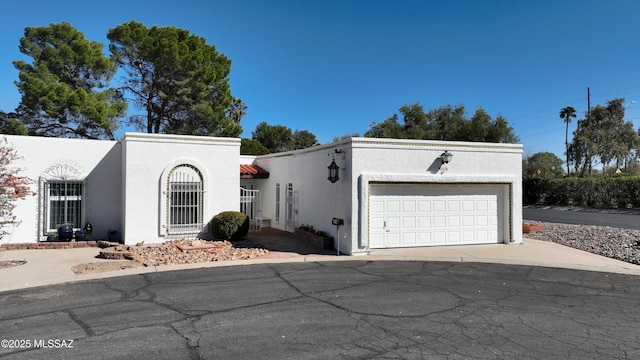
x: 408, y: 215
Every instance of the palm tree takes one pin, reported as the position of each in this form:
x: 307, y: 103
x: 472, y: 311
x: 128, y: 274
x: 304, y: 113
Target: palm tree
x: 567, y: 113
x: 237, y: 110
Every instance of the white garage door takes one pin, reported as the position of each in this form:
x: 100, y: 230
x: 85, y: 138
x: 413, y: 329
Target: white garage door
x: 408, y: 215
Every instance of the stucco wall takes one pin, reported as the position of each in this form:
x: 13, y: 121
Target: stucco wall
x: 98, y: 162
x: 316, y: 199
x: 389, y: 160
x: 146, y: 157
x: 363, y: 160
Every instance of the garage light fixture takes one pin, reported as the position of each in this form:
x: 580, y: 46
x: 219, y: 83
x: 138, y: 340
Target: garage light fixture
x: 445, y: 157
x: 334, y: 168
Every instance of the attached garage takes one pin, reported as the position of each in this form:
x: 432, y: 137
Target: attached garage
x: 399, y: 193
x: 419, y: 214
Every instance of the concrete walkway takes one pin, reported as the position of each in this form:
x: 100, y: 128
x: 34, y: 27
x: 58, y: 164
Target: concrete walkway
x: 48, y: 267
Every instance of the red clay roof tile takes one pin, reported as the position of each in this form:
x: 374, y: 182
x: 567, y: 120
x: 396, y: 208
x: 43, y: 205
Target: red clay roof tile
x: 252, y: 172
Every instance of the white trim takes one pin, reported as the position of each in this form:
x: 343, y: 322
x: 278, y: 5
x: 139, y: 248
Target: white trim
x: 510, y: 220
x: 181, y: 139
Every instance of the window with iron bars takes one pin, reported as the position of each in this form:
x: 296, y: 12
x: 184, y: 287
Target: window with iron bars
x: 64, y: 204
x: 185, y: 200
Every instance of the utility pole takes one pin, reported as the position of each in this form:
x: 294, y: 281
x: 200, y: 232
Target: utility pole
x: 588, y: 102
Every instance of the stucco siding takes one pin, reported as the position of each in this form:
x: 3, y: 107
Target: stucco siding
x: 410, y: 161
x: 147, y: 157
x: 98, y: 163
x: 365, y: 160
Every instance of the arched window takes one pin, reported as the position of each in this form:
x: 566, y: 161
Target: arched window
x: 184, y: 200
x: 61, y: 199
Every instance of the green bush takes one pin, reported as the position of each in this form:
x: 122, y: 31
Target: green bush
x: 230, y: 225
x: 598, y: 192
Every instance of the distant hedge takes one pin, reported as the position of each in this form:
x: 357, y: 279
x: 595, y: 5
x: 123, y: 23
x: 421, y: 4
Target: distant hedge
x: 597, y: 192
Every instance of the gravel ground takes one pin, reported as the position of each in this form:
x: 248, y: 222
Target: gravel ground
x: 175, y: 252
x: 169, y: 253
x: 616, y: 243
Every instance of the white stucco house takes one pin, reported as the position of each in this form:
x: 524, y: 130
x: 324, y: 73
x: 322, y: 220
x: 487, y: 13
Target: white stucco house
x: 388, y: 193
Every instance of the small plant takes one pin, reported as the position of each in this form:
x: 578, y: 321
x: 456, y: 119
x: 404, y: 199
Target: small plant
x: 52, y: 236
x: 230, y: 225
x: 309, y: 228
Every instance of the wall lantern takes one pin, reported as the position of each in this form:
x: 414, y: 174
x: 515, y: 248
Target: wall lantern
x: 333, y: 171
x: 333, y: 167
x: 445, y: 157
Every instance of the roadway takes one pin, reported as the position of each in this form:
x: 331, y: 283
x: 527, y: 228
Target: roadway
x: 580, y: 216
x: 357, y: 309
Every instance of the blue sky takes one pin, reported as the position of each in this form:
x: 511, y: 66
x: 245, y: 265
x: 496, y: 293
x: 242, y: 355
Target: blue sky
x: 333, y: 67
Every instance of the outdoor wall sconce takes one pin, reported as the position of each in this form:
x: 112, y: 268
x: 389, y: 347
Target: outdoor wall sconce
x: 334, y: 169
x: 445, y: 157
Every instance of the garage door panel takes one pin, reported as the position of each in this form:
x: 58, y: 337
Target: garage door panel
x: 439, y: 222
x: 468, y: 236
x: 467, y: 205
x: 393, y: 239
x: 409, y: 239
x: 424, y: 222
x: 409, y: 206
x: 424, y: 238
x: 424, y: 205
x: 439, y: 205
x: 453, y: 206
x: 439, y: 238
x: 482, y: 205
x: 376, y: 206
x: 393, y: 223
x: 392, y: 206
x: 453, y: 221
x: 409, y: 223
x: 453, y: 238
x: 434, y: 214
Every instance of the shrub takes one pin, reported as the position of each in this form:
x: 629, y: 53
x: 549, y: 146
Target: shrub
x: 310, y: 229
x: 599, y: 192
x: 230, y: 225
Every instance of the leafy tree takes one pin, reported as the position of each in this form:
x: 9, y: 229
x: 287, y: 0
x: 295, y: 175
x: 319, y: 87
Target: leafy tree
x: 444, y: 123
x: 450, y: 122
x: 12, y: 186
x: 65, y: 89
x: 543, y: 165
x: 479, y: 125
x: 279, y: 138
x: 180, y: 82
x: 252, y: 147
x: 603, y: 135
x: 345, y: 137
x: 303, y: 139
x: 501, y: 132
x: 11, y: 126
x: 566, y: 114
x: 276, y: 138
x: 389, y: 128
x: 415, y: 121
x: 582, y: 148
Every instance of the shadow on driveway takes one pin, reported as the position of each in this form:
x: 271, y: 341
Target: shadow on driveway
x: 283, y: 244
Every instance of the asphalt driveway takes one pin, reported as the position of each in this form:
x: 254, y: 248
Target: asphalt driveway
x: 330, y: 310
